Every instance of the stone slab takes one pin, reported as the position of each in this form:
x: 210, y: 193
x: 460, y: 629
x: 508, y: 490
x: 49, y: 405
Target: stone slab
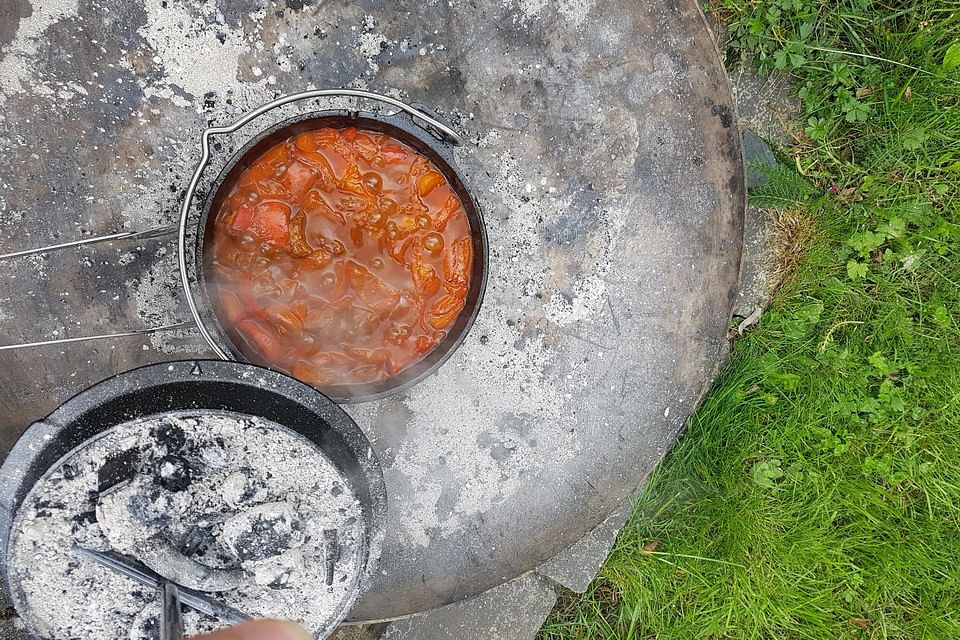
x: 759, y: 260
x: 513, y: 611
x: 577, y: 566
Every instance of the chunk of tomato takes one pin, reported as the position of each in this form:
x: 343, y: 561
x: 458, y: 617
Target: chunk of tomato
x: 299, y: 247
x: 271, y: 223
x: 306, y: 141
x: 232, y: 307
x: 326, y: 137
x: 284, y: 319
x: 258, y: 171
x: 424, y: 345
x: 457, y: 263
x: 275, y: 156
x: 394, y: 153
x: 445, y: 311
x: 317, y: 261
x: 315, y: 204
x: 242, y: 217
x: 352, y: 181
x: 450, y: 206
x: 298, y: 179
x: 366, y: 147
x: 311, y: 374
x: 426, y: 282
x: 326, y: 179
x: 379, y: 357
x: 428, y: 182
x: 263, y: 340
x: 368, y: 373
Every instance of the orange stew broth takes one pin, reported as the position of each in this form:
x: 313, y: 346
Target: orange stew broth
x: 341, y: 256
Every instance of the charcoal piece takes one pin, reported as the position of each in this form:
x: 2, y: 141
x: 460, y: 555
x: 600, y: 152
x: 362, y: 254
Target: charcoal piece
x: 148, y: 628
x: 331, y: 549
x: 170, y: 436
x: 196, y: 541
x: 86, y: 517
x: 282, y: 581
x: 69, y: 471
x: 149, y: 505
x: 118, y: 469
x: 46, y: 507
x: 174, y: 473
x: 263, y: 531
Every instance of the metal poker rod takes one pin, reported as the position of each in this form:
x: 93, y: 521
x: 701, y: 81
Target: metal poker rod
x: 171, y: 620
x: 135, y: 570
x: 157, y: 232
x: 123, y: 235
x: 104, y: 336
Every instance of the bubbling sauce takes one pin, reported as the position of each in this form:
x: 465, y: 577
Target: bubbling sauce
x: 341, y: 256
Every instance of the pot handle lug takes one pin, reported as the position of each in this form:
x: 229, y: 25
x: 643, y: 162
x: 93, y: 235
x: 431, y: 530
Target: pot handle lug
x: 430, y: 128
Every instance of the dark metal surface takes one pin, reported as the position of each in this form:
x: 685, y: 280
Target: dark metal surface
x: 171, y: 617
x: 400, y: 126
x: 602, y: 148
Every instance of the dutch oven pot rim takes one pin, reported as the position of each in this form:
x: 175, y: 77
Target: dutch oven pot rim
x: 402, y: 126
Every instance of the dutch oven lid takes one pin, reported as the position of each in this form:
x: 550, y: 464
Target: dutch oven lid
x: 238, y: 440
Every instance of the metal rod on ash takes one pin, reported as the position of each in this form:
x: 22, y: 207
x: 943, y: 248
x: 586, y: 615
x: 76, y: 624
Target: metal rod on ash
x: 103, y: 336
x: 171, y: 619
x: 123, y: 235
x: 140, y: 573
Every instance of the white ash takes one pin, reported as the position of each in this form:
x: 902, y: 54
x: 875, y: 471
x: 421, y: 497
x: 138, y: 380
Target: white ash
x: 156, y: 296
x: 15, y: 64
x: 234, y: 496
x: 195, y: 56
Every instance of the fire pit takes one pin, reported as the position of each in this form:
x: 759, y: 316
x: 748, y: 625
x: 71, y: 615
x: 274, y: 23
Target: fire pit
x: 598, y: 140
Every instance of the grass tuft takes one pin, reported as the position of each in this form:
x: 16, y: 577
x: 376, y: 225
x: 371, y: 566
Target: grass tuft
x: 792, y: 231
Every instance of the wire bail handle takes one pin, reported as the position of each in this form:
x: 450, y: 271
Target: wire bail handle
x: 418, y: 114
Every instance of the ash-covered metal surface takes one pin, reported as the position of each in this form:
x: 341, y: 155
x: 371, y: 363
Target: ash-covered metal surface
x: 603, y: 152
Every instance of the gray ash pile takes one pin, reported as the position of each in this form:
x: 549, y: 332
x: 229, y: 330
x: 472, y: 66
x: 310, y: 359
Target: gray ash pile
x: 247, y: 511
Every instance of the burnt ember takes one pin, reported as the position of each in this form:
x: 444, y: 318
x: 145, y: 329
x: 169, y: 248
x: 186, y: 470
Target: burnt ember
x: 174, y: 473
x: 263, y: 532
x: 170, y: 436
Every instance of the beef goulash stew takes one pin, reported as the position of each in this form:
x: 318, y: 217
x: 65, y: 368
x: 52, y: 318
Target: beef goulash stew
x: 341, y: 256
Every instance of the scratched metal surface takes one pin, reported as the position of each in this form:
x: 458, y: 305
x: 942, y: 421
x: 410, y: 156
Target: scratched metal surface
x: 602, y: 147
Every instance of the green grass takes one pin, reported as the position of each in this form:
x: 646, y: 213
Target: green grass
x: 816, y: 492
